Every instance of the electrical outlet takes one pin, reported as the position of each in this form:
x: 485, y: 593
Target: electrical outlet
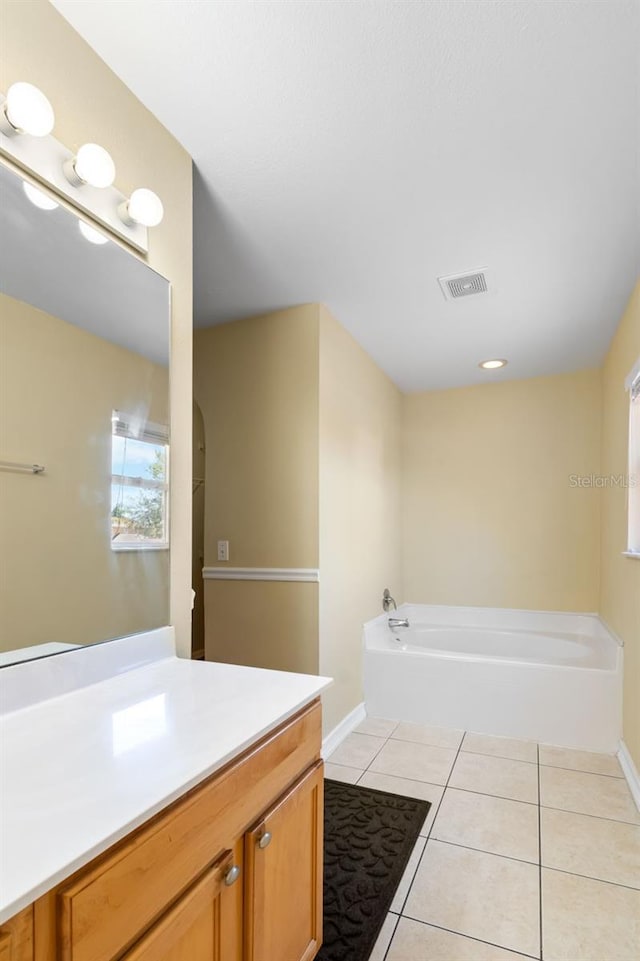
x: 223, y: 550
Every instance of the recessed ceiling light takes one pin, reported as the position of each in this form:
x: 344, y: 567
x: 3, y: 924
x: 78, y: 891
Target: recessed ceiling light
x: 492, y: 364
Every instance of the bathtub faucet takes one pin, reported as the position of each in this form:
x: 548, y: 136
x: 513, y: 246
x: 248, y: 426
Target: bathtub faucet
x: 387, y: 601
x: 398, y: 622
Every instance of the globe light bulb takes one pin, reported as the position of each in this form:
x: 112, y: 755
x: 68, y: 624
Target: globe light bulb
x: 143, y: 207
x: 91, y: 234
x: 38, y: 198
x: 27, y: 110
x: 92, y: 165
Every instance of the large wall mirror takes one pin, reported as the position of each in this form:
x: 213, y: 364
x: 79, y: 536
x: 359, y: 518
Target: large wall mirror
x: 84, y: 436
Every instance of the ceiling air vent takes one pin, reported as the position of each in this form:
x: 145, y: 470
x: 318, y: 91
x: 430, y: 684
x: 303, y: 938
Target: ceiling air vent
x: 464, y: 285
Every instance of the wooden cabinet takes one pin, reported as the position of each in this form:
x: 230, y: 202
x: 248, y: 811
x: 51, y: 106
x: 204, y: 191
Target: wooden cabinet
x: 16, y: 937
x: 283, y: 886
x: 230, y: 872
x: 205, y: 924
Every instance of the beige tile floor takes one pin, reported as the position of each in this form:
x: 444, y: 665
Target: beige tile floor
x: 528, y: 850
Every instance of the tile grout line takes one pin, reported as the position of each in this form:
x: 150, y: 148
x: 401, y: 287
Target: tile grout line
x: 504, y: 757
x: 393, y: 934
x: 509, y: 857
x: 502, y: 797
x: 583, y: 814
x: 492, y: 854
x: 430, y: 836
x: 468, y: 937
x: 590, y: 877
x: 385, y: 741
x: 433, y: 821
x: 498, y: 757
x: 540, y: 857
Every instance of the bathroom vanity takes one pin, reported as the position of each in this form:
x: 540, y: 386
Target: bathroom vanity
x: 180, y: 817
x: 151, y: 808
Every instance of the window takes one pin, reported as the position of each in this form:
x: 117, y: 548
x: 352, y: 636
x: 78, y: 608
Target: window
x: 633, y: 383
x: 139, y: 484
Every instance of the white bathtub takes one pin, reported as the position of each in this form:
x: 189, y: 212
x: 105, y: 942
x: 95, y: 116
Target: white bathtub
x: 555, y: 678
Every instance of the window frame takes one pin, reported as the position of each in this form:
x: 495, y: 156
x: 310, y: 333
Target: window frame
x: 156, y: 435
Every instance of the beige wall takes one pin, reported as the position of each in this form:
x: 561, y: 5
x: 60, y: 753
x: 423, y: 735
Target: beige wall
x: 302, y: 470
x: 360, y: 412
x: 256, y: 383
x: 60, y: 580
x: 92, y: 104
x: 489, y: 516
x: 271, y: 624
x: 197, y: 540
x: 620, y: 583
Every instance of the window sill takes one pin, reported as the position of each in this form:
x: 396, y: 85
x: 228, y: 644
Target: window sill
x: 123, y: 548
x: 634, y: 554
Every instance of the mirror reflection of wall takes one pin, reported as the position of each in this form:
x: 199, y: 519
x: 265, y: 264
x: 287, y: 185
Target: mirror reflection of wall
x: 84, y: 392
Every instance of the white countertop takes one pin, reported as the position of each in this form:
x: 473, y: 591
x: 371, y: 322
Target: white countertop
x: 81, y: 770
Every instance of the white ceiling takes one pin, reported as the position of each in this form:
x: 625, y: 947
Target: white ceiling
x: 352, y: 151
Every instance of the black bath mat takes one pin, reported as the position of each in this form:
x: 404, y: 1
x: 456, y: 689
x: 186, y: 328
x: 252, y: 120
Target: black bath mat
x: 368, y: 839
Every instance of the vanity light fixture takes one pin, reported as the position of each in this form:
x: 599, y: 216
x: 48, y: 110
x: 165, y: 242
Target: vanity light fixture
x: 84, y: 178
x: 38, y: 198
x: 26, y: 110
x: 493, y: 364
x: 91, y: 234
x: 92, y: 165
x: 143, y: 207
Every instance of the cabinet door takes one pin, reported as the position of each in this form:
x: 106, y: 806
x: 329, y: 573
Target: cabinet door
x: 16, y: 937
x: 205, y: 924
x: 283, y: 882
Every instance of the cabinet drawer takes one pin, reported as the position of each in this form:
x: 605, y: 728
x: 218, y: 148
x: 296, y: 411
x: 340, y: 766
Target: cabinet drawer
x: 109, y: 905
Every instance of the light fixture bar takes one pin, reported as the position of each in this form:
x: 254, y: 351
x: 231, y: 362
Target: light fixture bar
x: 45, y: 158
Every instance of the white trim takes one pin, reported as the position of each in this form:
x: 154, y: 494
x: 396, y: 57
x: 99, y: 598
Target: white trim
x: 139, y: 546
x: 634, y: 374
x: 635, y: 554
x: 342, y: 730
x: 307, y: 574
x: 630, y: 772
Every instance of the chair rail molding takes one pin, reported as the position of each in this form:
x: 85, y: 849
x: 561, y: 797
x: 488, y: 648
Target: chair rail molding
x: 305, y: 574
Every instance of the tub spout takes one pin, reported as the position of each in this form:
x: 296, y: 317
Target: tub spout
x: 398, y: 622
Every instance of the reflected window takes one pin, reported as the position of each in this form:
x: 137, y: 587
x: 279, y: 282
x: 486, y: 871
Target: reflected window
x: 139, y: 484
x: 138, y: 724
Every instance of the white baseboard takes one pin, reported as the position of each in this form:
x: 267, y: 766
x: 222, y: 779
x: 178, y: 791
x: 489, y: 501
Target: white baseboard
x: 341, y: 730
x: 630, y: 772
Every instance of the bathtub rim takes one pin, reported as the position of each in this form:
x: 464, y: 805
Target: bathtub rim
x: 380, y: 622
x: 403, y: 608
